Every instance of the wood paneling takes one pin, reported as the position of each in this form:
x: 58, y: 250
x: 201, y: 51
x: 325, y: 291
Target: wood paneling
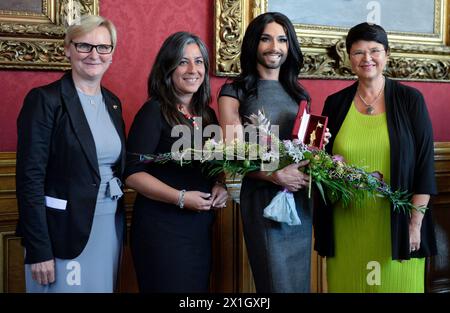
x: 11, y: 253
x: 12, y: 256
x: 231, y: 270
x: 438, y: 267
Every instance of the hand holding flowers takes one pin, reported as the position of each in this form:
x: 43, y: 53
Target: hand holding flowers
x: 291, y: 178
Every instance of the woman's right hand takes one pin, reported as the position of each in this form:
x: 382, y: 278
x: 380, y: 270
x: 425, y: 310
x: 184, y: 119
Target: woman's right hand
x: 197, y: 201
x: 291, y: 178
x: 44, y: 272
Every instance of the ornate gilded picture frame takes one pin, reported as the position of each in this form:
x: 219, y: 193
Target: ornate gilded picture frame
x: 32, y: 31
x: 419, y: 51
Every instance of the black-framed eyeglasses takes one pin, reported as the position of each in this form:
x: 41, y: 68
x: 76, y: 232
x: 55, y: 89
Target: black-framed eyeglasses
x: 83, y: 47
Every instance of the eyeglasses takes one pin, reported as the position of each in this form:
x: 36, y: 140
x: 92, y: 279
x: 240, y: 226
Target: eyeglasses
x: 374, y: 53
x: 83, y: 47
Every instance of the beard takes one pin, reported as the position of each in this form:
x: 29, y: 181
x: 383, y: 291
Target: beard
x: 263, y: 60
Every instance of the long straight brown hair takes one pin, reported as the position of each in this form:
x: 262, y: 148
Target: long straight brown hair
x: 161, y: 87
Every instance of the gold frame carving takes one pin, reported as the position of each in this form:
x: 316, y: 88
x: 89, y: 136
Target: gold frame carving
x: 35, y: 41
x: 424, y: 57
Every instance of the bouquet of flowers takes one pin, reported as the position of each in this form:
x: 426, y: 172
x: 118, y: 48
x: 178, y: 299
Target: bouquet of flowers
x: 335, y: 180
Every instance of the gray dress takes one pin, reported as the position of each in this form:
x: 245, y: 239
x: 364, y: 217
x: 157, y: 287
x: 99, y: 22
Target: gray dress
x: 95, y: 269
x: 279, y: 254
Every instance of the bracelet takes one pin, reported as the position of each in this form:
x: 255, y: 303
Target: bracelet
x: 181, y: 198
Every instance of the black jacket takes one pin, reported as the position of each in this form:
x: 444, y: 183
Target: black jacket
x: 412, y: 164
x: 56, y: 157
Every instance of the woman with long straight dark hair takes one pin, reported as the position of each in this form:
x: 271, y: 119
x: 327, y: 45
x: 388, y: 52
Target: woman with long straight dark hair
x: 173, y: 212
x: 271, y: 60
x: 288, y: 70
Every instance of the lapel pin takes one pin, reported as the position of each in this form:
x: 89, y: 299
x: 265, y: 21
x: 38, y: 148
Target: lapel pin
x: 115, y: 107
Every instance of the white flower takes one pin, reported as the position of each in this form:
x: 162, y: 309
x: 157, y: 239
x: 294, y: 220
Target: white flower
x: 261, y: 122
x: 269, y: 156
x: 295, y: 151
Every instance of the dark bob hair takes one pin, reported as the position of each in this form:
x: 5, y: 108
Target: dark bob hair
x: 367, y: 32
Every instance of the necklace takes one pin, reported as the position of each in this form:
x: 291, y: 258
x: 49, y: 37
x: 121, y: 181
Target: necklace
x: 189, y: 117
x: 369, y: 106
x: 93, y: 100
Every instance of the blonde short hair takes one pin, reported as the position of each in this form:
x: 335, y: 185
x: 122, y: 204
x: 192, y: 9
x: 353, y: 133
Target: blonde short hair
x: 87, y: 24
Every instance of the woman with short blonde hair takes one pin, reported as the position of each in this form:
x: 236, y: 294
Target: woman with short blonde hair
x: 87, y: 24
x: 70, y: 159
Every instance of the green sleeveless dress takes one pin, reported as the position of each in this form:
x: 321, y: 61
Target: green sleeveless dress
x: 362, y: 261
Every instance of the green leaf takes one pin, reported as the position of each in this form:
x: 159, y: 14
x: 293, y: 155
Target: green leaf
x: 319, y: 186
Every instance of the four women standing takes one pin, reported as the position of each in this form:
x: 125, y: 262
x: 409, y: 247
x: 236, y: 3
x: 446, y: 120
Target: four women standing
x: 70, y: 159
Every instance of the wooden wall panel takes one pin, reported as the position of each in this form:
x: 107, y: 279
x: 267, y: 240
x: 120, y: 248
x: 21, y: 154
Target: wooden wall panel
x: 231, y: 269
x: 438, y: 267
x: 13, y: 263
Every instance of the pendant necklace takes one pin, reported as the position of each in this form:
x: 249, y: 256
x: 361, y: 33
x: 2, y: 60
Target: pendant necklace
x: 369, y: 106
x: 92, y: 99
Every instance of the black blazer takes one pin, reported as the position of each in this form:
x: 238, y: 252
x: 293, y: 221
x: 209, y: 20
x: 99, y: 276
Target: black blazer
x: 412, y: 164
x: 56, y: 157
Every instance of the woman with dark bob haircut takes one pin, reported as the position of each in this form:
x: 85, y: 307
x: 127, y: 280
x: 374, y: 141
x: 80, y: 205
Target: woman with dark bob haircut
x: 173, y: 212
x: 384, y: 126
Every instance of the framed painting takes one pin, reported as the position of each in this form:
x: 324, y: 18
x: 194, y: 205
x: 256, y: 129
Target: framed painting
x: 418, y: 33
x: 32, y: 31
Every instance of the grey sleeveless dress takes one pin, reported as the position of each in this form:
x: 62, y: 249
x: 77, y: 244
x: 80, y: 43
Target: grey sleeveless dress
x: 95, y: 269
x: 279, y: 254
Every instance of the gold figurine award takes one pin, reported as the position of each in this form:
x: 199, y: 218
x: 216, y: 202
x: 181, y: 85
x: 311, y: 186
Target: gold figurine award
x: 312, y: 137
x: 309, y: 128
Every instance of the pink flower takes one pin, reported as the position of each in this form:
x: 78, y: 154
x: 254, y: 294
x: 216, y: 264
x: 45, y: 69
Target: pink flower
x: 338, y: 158
x: 377, y: 175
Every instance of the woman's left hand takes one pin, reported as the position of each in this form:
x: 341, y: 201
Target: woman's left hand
x: 219, y: 196
x: 326, y: 137
x: 414, y: 235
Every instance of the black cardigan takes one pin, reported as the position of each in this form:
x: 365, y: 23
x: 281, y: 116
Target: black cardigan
x: 412, y: 164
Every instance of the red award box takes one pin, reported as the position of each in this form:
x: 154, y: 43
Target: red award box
x: 309, y: 128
